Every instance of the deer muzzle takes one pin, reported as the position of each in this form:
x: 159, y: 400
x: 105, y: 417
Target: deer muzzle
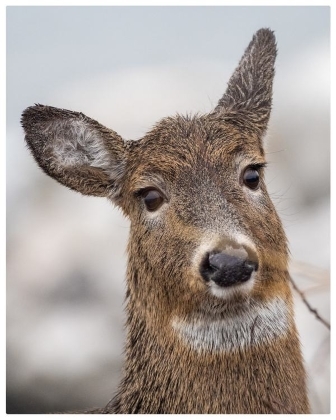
x: 228, y: 268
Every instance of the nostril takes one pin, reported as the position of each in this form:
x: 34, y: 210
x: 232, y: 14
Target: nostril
x: 251, y: 265
x: 226, y: 269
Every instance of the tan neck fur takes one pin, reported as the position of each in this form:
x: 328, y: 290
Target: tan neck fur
x: 247, y: 361
x: 210, y: 315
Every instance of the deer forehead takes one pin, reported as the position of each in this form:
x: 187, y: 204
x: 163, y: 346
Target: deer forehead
x: 188, y: 173
x: 200, y: 179
x: 179, y: 143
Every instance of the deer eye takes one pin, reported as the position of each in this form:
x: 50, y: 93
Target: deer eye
x: 153, y: 199
x: 251, y: 178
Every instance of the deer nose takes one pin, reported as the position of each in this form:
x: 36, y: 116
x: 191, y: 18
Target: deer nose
x: 226, y: 269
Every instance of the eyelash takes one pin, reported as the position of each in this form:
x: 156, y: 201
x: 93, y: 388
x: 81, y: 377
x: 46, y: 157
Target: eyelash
x: 141, y: 191
x: 256, y: 166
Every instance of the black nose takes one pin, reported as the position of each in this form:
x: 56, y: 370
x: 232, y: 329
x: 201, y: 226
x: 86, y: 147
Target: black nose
x: 227, y: 270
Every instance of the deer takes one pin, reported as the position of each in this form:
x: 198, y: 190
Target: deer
x: 210, y: 319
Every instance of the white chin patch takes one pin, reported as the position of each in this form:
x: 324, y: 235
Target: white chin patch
x: 256, y: 323
x: 227, y: 293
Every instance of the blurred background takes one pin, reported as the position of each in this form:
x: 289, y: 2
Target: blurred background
x: 127, y: 67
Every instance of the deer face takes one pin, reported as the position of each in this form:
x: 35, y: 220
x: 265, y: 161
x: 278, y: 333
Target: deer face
x: 203, y: 229
x: 201, y: 218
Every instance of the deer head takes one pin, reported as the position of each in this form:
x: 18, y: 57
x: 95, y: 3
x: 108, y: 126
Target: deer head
x: 204, y: 233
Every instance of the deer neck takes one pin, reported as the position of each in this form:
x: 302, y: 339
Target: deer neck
x: 245, y: 361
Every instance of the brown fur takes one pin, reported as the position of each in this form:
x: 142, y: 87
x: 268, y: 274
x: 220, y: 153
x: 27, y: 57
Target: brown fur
x: 197, y: 163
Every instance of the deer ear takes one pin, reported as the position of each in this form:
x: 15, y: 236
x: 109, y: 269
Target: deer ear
x: 248, y: 97
x: 75, y: 150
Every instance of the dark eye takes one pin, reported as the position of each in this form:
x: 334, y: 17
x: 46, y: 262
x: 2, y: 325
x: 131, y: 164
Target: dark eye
x: 251, y: 178
x: 152, y: 199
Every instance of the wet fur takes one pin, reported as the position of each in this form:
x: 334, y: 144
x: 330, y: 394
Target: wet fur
x: 250, y: 360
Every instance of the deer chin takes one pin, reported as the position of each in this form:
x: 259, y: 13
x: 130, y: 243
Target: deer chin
x: 236, y: 329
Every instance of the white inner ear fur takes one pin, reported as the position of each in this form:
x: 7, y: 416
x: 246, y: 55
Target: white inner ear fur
x: 258, y: 323
x: 73, y: 142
